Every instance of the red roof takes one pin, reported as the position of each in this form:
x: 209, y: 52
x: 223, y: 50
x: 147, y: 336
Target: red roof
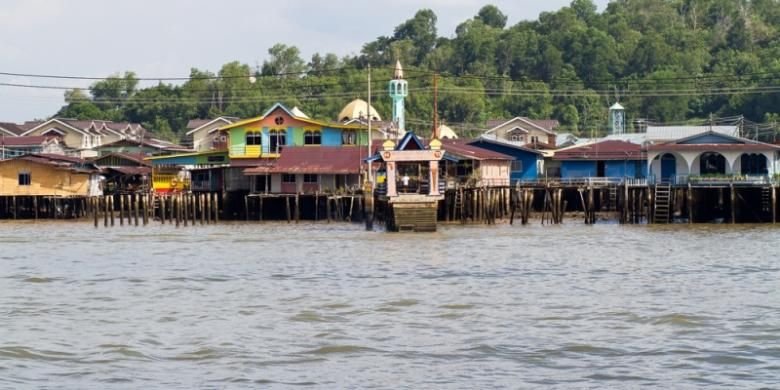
x: 604, y: 150
x: 461, y: 147
x: 315, y: 160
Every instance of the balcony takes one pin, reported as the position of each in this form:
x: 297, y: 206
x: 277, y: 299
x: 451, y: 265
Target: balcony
x: 250, y: 151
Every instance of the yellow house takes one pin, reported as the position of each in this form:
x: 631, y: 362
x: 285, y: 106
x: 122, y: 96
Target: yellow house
x: 47, y: 175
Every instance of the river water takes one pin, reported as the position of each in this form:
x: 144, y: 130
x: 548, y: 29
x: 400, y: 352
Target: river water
x: 331, y: 306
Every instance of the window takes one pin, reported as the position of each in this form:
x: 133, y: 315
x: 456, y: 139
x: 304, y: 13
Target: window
x: 534, y: 139
x: 312, y: 137
x: 348, y: 137
x: 517, y: 165
x: 254, y: 138
x: 288, y: 178
x: 309, y: 179
x: 24, y: 179
x: 278, y: 138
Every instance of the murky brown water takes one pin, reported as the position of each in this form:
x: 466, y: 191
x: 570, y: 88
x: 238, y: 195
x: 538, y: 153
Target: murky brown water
x: 332, y: 306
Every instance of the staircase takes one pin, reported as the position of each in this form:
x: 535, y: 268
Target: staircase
x: 662, y: 203
x: 766, y: 199
x: 459, y: 204
x: 612, y: 204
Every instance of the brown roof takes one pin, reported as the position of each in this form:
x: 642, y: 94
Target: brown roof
x: 195, y: 123
x: 315, y: 160
x: 12, y: 127
x: 604, y: 150
x: 462, y: 148
x: 55, y: 160
x: 137, y: 158
x: 33, y: 140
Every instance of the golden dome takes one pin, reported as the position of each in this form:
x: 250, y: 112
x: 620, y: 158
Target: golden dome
x: 357, y: 109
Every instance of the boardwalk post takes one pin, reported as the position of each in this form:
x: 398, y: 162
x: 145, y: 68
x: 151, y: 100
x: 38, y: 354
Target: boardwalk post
x: 111, y: 208
x: 733, y: 204
x: 93, y: 201
x: 297, y: 207
x: 774, y: 204
x: 121, y: 210
x: 246, y: 206
x: 287, y: 207
x: 135, y: 207
x: 145, y: 207
x: 215, y: 207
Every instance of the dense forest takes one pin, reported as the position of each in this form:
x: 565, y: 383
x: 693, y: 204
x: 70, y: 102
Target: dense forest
x: 664, y: 60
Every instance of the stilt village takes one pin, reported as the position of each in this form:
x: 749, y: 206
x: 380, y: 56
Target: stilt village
x: 359, y: 167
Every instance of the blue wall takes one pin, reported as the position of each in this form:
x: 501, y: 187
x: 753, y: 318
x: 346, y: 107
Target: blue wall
x: 572, y: 169
x: 612, y: 168
x: 529, y: 159
x: 331, y: 137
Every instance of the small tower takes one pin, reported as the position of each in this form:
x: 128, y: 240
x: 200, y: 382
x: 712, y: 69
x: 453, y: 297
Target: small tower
x: 617, y: 119
x: 398, y: 91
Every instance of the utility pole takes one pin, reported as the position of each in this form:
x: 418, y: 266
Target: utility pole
x: 435, y: 107
x: 368, y: 113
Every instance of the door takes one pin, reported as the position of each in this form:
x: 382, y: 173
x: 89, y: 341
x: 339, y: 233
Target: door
x: 601, y: 169
x: 668, y: 167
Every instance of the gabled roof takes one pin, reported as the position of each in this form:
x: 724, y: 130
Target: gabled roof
x: 603, y: 150
x: 713, y: 141
x: 11, y: 129
x: 197, y: 124
x: 546, y: 125
x: 313, y: 160
x: 132, y: 157
x: 465, y: 150
x: 57, y: 121
x: 410, y: 142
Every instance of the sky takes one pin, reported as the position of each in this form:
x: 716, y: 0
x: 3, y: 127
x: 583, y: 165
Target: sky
x: 166, y: 38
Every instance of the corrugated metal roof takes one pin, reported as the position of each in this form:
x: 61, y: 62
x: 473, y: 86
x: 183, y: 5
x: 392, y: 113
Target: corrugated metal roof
x: 604, y: 150
x: 462, y: 148
x: 31, y: 140
x: 315, y: 160
x: 655, y: 133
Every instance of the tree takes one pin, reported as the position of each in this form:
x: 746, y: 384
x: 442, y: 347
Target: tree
x: 491, y: 16
x: 284, y: 60
x: 421, y: 31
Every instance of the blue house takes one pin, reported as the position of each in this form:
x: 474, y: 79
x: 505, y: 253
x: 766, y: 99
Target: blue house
x: 610, y: 158
x: 526, y: 164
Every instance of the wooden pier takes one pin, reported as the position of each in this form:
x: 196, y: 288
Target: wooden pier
x: 589, y: 200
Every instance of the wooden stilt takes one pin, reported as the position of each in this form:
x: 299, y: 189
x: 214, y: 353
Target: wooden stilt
x: 297, y: 207
x: 135, y: 208
x: 733, y: 204
x: 35, y: 206
x: 215, y: 207
x: 287, y: 207
x: 774, y: 204
x: 145, y: 208
x: 94, y: 207
x: 111, y: 208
